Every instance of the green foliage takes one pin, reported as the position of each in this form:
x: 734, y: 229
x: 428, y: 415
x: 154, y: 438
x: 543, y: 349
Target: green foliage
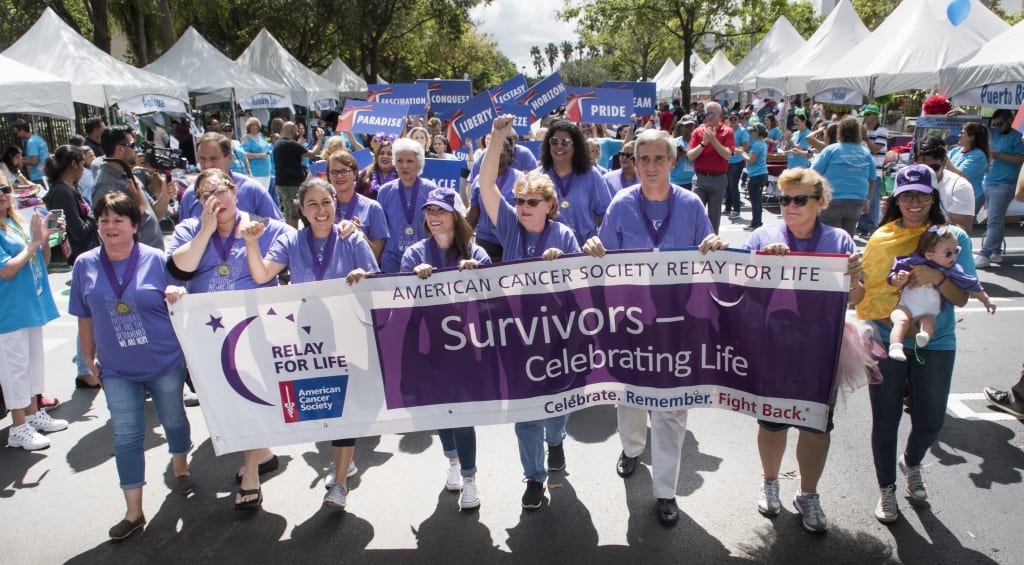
x: 874, y: 12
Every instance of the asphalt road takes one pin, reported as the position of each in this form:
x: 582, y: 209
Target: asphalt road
x: 58, y: 504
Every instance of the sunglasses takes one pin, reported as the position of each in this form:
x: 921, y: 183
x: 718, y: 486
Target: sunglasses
x: 564, y: 142
x: 531, y: 202
x: 626, y: 156
x: 711, y: 114
x: 949, y: 254
x: 6, y: 189
x: 800, y: 200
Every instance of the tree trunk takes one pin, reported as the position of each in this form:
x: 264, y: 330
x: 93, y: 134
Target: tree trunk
x: 100, y: 25
x: 166, y: 23
x: 139, y: 34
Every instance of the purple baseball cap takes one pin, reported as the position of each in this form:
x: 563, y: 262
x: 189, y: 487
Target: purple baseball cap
x: 917, y: 178
x: 443, y: 198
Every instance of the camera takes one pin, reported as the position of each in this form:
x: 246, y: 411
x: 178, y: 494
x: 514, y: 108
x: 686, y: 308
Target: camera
x: 163, y: 159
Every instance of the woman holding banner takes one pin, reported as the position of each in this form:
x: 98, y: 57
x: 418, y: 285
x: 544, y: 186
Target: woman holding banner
x: 402, y: 200
x: 316, y: 253
x: 913, y: 208
x: 209, y: 253
x: 805, y: 193
x: 118, y: 289
x: 582, y: 193
x: 449, y: 245
x: 528, y: 230
x: 380, y: 172
x: 367, y: 214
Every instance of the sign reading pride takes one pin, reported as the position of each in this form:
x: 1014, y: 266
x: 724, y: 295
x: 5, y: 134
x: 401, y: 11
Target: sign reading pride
x: 645, y: 94
x: 599, y: 105
x: 447, y: 95
x: 509, y: 90
x: 372, y: 117
x: 545, y: 96
x: 471, y: 120
x: 412, y: 95
x: 755, y: 334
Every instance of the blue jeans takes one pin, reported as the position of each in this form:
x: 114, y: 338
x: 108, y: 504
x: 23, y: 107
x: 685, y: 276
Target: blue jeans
x: 929, y: 390
x: 126, y: 401
x: 732, y: 188
x: 997, y: 197
x: 83, y: 368
x: 531, y: 436
x: 755, y: 185
x: 868, y: 222
x: 461, y: 443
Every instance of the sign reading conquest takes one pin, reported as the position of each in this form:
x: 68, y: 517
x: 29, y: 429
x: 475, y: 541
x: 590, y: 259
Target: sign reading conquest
x: 755, y: 334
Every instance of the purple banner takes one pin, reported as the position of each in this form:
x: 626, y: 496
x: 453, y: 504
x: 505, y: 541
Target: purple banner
x: 509, y: 90
x: 413, y: 95
x: 599, y: 105
x: 644, y: 94
x: 521, y: 125
x: 447, y: 95
x: 545, y: 96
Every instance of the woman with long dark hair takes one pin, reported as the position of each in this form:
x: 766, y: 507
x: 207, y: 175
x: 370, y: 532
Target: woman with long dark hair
x: 582, y: 193
x: 970, y: 159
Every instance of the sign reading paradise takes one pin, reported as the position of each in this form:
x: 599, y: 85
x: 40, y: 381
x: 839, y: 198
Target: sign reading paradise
x: 755, y: 334
x: 372, y: 118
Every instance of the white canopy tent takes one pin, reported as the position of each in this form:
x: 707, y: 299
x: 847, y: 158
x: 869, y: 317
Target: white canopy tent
x: 782, y: 40
x: 992, y: 77
x: 668, y: 86
x: 666, y: 69
x: 96, y: 78
x: 841, y: 31
x: 713, y: 71
x: 213, y: 77
x: 348, y: 83
x: 31, y: 91
x: 267, y: 57
x: 906, y: 52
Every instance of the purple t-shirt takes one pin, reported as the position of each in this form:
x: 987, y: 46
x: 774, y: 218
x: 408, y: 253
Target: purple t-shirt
x: 617, y: 181
x: 522, y: 161
x: 588, y: 198
x: 623, y: 226
x: 292, y: 249
x: 207, y: 279
x: 139, y: 345
x: 419, y: 253
x: 484, y: 227
x: 252, y: 198
x: 398, y: 224
x: 832, y: 240
x: 512, y: 235
x: 370, y: 214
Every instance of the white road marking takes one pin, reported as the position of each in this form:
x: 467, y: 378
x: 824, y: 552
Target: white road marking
x: 958, y: 409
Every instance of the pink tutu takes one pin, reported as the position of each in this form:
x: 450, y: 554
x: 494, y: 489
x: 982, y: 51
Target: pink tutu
x: 858, y: 356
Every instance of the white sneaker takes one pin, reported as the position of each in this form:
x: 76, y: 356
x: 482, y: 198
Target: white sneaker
x: 336, y: 496
x: 42, y: 422
x: 352, y: 470
x: 915, y: 480
x: 454, y: 480
x: 768, y: 502
x: 980, y: 261
x: 27, y: 438
x: 190, y: 398
x: 808, y: 506
x: 996, y: 258
x: 470, y: 498
x: 887, y: 511
x: 896, y: 352
x: 922, y: 338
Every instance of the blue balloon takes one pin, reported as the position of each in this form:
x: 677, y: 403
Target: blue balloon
x: 957, y: 11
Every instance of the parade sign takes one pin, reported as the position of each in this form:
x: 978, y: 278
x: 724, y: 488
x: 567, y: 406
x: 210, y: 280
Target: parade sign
x: 545, y: 96
x: 750, y: 333
x: 445, y: 173
x: 599, y: 105
x: 533, y: 146
x: 372, y: 118
x: 521, y: 124
x: 509, y: 90
x: 412, y: 95
x: 447, y: 95
x: 472, y: 120
x: 645, y: 94
x: 1003, y: 95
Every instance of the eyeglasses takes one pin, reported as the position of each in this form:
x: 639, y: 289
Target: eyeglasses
x: 129, y: 145
x: 219, y: 193
x: 734, y: 119
x: 800, y: 200
x: 564, y: 142
x: 6, y: 189
x: 340, y: 172
x: 531, y: 202
x: 626, y: 156
x: 912, y: 195
x: 948, y: 255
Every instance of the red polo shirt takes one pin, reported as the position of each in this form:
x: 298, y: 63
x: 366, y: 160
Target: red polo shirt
x: 709, y: 161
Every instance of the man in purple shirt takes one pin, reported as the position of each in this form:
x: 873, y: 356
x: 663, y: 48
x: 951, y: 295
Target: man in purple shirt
x: 671, y: 217
x: 215, y: 152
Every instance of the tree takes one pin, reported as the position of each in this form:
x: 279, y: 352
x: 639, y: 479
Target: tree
x: 567, y: 49
x: 551, y: 51
x: 538, y: 60
x: 603, y: 25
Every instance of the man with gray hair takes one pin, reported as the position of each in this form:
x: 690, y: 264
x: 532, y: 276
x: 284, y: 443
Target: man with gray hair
x: 710, y: 148
x: 671, y: 217
x: 288, y: 156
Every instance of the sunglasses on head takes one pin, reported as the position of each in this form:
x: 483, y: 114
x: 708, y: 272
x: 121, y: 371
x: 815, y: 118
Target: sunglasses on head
x: 564, y: 142
x: 531, y: 202
x: 799, y: 200
x: 949, y: 254
x: 626, y: 156
x: 6, y: 189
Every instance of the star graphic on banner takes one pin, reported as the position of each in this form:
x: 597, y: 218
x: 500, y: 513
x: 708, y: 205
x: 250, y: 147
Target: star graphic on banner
x: 215, y: 323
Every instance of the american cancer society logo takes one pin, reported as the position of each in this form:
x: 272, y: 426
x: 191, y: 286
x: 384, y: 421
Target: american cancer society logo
x: 313, y: 399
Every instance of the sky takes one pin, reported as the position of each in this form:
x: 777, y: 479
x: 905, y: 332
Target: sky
x: 518, y: 24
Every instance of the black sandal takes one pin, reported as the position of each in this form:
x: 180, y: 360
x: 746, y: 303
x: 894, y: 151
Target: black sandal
x: 248, y: 505
x: 82, y: 383
x: 269, y: 466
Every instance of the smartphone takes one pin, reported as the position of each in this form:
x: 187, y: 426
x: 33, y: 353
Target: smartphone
x: 55, y: 217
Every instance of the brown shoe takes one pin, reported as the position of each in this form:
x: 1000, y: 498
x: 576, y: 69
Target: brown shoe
x: 184, y: 484
x: 125, y: 528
